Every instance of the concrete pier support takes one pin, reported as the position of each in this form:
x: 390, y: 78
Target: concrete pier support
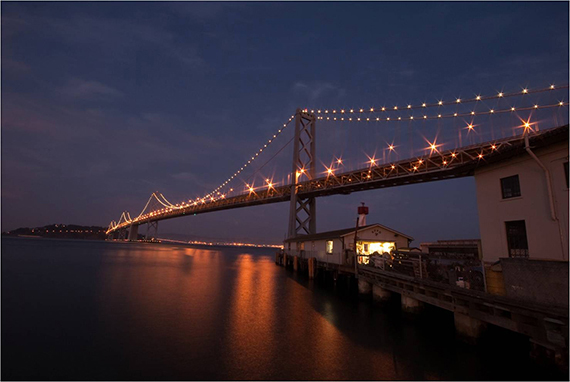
x: 411, y: 305
x: 296, y: 263
x: 468, y: 328
x: 380, y: 295
x: 549, y: 355
x: 364, y: 287
x: 133, y: 232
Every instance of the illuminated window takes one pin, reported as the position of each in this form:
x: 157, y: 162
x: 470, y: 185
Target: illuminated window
x: 511, y: 187
x: 516, y: 238
x: 379, y: 247
x: 329, y: 246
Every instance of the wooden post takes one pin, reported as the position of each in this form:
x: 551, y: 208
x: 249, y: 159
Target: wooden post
x: 295, y: 263
x: 285, y: 260
x: 355, y: 255
x: 312, y: 265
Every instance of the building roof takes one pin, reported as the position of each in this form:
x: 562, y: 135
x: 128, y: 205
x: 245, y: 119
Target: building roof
x: 341, y: 232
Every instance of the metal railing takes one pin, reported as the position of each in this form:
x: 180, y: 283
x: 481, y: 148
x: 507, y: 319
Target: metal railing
x: 464, y: 273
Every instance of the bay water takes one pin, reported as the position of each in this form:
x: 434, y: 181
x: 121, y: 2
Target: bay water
x: 95, y: 310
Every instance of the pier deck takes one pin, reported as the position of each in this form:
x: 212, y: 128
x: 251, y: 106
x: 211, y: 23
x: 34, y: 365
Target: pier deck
x: 545, y: 325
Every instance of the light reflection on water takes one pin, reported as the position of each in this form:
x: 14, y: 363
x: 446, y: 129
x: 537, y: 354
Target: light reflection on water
x: 95, y: 310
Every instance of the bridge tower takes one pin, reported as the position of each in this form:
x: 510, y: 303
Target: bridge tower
x: 302, y: 211
x: 151, y: 230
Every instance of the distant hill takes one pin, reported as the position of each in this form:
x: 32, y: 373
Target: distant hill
x: 64, y: 231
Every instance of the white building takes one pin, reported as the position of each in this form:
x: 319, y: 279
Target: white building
x: 332, y: 246
x: 520, y: 214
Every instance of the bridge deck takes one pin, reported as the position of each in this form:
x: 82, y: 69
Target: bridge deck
x: 437, y: 166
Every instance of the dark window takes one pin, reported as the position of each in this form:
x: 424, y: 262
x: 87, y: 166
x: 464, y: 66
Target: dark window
x: 566, y: 173
x: 516, y: 238
x: 511, y: 187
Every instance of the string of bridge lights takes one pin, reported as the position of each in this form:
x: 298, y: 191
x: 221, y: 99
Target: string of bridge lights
x: 440, y: 116
x: 169, y: 206
x: 246, y: 164
x: 210, y: 195
x: 424, y: 105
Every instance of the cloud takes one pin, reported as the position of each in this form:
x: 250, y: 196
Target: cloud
x: 14, y: 66
x: 193, y: 179
x: 315, y: 90
x: 79, y: 88
x: 200, y: 10
x: 12, y: 25
x: 116, y: 39
x: 407, y: 72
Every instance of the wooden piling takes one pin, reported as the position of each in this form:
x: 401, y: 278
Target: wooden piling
x: 295, y: 263
x: 312, y: 267
x: 285, y: 260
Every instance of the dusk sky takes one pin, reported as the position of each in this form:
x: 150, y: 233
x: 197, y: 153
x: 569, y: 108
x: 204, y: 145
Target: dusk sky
x: 104, y: 103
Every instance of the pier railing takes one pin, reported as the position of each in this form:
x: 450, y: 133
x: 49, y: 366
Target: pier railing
x: 466, y: 273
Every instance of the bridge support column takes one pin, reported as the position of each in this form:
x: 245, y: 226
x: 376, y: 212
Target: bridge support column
x: 364, y: 287
x: 380, y: 295
x: 411, y: 305
x: 133, y: 232
x: 302, y: 211
x: 468, y: 328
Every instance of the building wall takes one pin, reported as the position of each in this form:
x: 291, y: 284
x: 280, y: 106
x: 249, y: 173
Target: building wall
x: 318, y: 249
x: 539, y: 281
x: 547, y: 239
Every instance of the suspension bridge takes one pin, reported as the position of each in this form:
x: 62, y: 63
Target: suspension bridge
x: 414, y: 143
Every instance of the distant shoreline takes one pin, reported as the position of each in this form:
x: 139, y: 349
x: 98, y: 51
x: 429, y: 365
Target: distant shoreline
x: 225, y: 245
